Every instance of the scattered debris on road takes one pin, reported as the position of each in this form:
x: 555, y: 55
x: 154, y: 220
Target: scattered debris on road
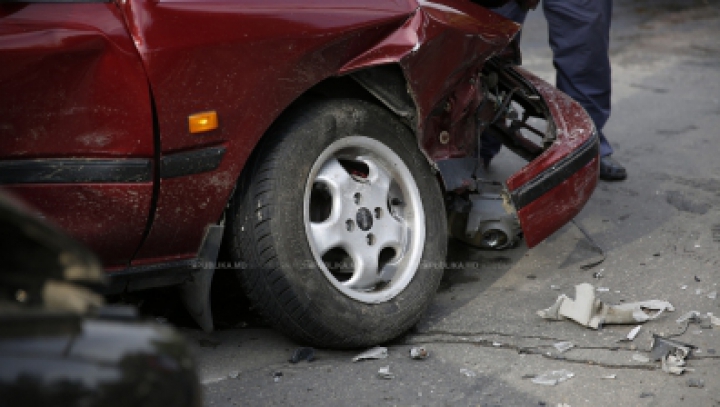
x: 610, y: 376
x: 385, y: 373
x: 563, y: 347
x: 633, y: 333
x: 695, y: 383
x: 378, y: 352
x: 688, y: 315
x: 673, y: 364
x: 662, y: 346
x: 586, y: 310
x: 277, y: 376
x: 553, y: 377
x: 672, y: 354
x: 419, y: 353
x: 468, y: 373
x: 301, y: 354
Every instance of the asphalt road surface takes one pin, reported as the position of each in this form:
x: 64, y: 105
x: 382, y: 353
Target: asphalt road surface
x: 660, y: 230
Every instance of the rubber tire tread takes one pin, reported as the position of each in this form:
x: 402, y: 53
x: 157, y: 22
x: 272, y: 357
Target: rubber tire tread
x: 258, y: 231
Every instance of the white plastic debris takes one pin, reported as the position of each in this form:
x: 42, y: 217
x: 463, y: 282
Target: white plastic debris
x: 419, y: 353
x: 563, y: 347
x: 378, y: 352
x: 673, y: 364
x: 610, y: 376
x: 713, y: 319
x: 688, y: 315
x: 553, y: 377
x: 602, y: 289
x: 586, y: 310
x: 497, y: 344
x: 712, y: 295
x: 385, y: 373
x: 699, y: 291
x: 640, y: 358
x: 468, y: 373
x: 633, y: 333
x: 683, y: 287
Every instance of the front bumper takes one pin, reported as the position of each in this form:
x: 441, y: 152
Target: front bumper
x: 553, y: 188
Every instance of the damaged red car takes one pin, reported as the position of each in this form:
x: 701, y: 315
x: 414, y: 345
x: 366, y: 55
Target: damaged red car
x: 330, y: 146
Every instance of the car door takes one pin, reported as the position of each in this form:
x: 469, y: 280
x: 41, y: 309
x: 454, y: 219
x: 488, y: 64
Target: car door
x: 76, y: 127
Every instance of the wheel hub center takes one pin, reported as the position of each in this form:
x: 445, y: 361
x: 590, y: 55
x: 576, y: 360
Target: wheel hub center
x: 364, y: 219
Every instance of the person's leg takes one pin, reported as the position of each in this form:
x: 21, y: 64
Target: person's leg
x: 513, y: 11
x: 579, y: 33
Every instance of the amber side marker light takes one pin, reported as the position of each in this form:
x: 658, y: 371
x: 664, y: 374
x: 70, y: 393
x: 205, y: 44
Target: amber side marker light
x: 203, y: 121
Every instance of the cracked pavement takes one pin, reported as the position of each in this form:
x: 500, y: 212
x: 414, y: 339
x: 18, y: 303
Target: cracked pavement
x: 660, y: 230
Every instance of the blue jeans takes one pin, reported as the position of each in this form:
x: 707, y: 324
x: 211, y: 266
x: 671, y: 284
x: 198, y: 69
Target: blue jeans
x: 579, y: 32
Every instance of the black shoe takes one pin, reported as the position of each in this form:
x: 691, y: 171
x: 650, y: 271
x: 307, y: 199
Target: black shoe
x: 611, y: 170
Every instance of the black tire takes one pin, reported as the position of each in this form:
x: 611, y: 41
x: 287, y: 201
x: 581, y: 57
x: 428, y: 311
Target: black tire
x: 267, y: 228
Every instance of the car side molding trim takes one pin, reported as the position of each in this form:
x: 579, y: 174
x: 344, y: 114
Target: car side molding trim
x: 557, y: 174
x: 191, y: 162
x: 75, y: 170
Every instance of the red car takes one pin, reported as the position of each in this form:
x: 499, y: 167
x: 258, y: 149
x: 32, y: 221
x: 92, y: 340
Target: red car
x: 330, y: 145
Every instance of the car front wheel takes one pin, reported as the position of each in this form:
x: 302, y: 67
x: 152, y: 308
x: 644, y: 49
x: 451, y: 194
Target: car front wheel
x: 341, y: 224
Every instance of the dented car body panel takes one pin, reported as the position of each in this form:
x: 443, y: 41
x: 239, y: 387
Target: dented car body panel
x: 149, y: 65
x: 554, y: 187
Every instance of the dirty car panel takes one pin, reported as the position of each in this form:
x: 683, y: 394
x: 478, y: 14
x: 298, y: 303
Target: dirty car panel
x: 97, y: 131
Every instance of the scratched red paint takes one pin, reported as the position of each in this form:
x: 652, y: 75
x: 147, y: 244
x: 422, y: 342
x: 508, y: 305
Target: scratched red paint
x: 82, y: 77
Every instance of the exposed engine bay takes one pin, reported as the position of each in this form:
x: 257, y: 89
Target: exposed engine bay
x: 513, y: 114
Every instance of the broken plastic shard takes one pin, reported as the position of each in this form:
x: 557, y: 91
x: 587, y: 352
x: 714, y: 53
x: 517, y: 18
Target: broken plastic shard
x: 602, y: 289
x: 553, y: 377
x: 419, y: 353
x: 633, y: 333
x: 661, y: 347
x: 588, y: 311
x: 713, y: 319
x: 468, y: 373
x: 673, y: 364
x: 302, y: 354
x: 385, y: 373
x: 610, y: 376
x: 378, y: 352
x: 688, y: 315
x: 640, y: 358
x: 563, y: 347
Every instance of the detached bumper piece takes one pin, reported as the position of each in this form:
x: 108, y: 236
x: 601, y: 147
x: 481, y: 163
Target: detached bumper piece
x: 555, y: 185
